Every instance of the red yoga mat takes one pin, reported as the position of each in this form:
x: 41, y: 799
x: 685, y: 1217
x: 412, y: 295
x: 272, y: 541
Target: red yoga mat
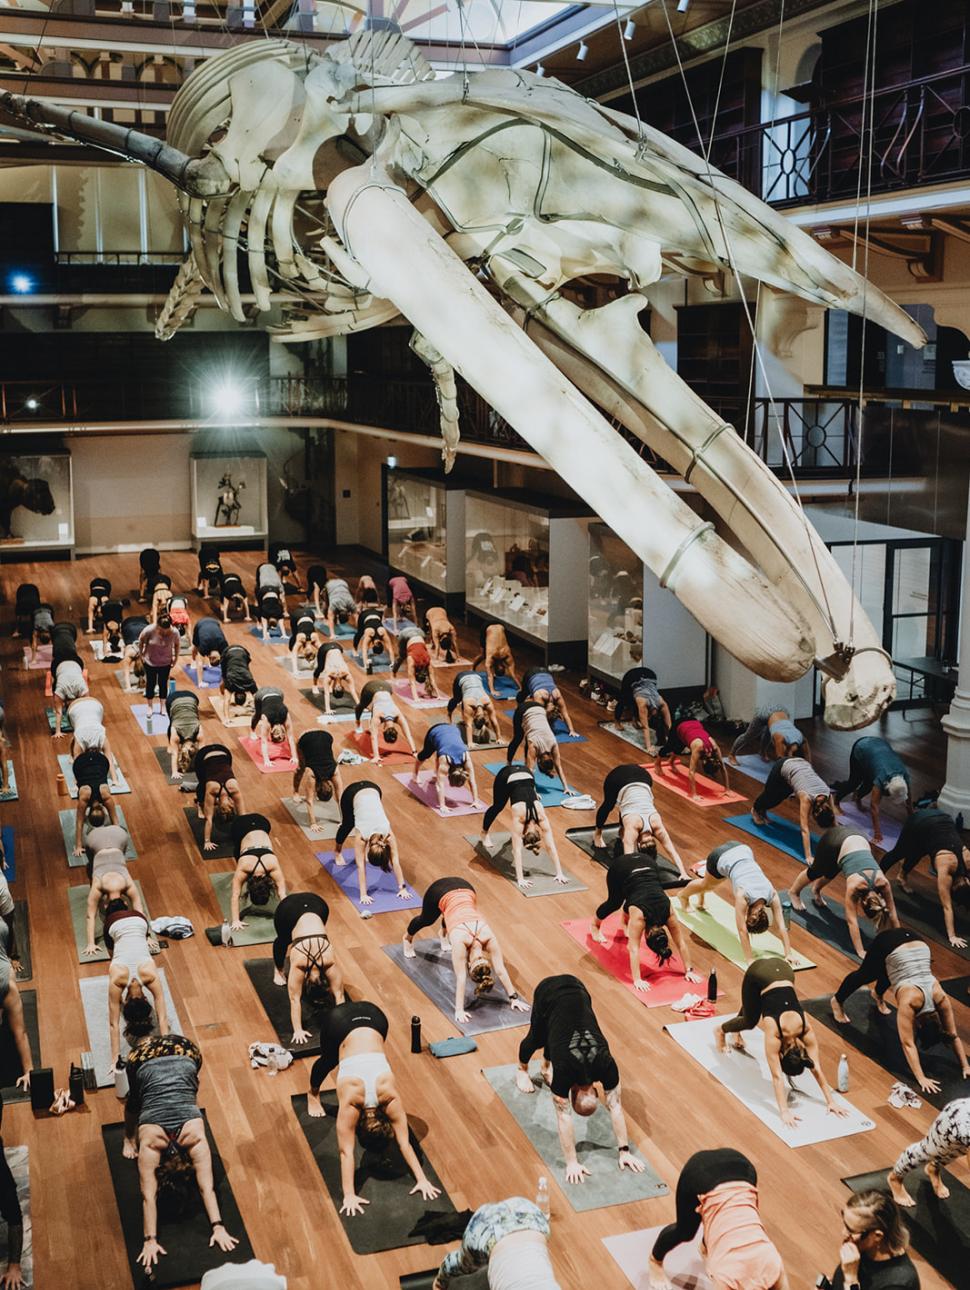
x: 279, y: 756
x: 667, y: 984
x: 389, y: 752
x: 709, y: 791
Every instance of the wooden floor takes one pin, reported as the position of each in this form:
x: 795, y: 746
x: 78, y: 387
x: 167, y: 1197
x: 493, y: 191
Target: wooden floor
x: 673, y: 1106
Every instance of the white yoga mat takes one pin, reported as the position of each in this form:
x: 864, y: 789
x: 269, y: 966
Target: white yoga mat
x: 746, y: 1076
x: 684, y: 1266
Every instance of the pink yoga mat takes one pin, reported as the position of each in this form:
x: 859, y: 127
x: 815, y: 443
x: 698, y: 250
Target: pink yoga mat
x: 403, y: 690
x: 709, y: 791
x: 279, y: 755
x: 667, y: 985
x: 389, y: 752
x: 458, y: 800
x: 39, y: 660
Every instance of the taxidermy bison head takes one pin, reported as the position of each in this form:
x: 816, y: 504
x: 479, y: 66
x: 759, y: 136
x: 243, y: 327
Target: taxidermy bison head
x: 37, y: 497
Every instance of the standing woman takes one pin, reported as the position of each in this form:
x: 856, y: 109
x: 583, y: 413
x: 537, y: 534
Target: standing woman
x: 689, y: 737
x: 372, y: 636
x: 333, y: 671
x: 412, y: 651
x: 630, y: 789
x: 475, y: 951
x: 132, y: 968
x: 755, y: 899
x: 496, y: 655
x: 933, y: 834
x: 478, y: 715
x: 947, y: 1140
x: 257, y: 868
x: 317, y: 775
x: 303, y: 943
x: 272, y: 722
x: 362, y: 813
x: 796, y: 777
x: 639, y: 694
x: 845, y: 851
x: 538, y: 684
x: 444, y: 638
x: 369, y: 1106
x: 387, y: 721
x: 875, y: 770
x: 515, y: 787
x: 452, y: 762
x: 768, y: 1000
x: 530, y: 723
x: 218, y: 794
x: 873, y: 1254
x: 634, y: 883
x: 159, y: 647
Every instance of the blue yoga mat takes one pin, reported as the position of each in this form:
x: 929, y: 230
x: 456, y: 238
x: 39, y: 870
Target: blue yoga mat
x: 783, y: 835
x: 550, y: 793
x: 505, y: 687
x: 380, y: 663
x: 274, y: 634
x: 211, y: 675
x: 10, y: 873
x: 342, y: 629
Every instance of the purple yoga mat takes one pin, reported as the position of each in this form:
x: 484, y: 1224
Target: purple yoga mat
x: 382, y: 886
x: 159, y: 721
x: 456, y: 799
x: 403, y: 691
x: 210, y: 675
x: 863, y: 821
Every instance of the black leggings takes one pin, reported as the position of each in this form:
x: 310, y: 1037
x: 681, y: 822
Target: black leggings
x: 635, y: 880
x: 522, y: 789
x: 156, y: 678
x: 761, y: 974
x: 704, y: 1171
x: 340, y: 1021
x: 873, y: 966
x: 619, y: 777
x: 776, y: 790
x: 288, y: 913
x: 347, y: 809
x: 367, y: 696
x: 430, y: 906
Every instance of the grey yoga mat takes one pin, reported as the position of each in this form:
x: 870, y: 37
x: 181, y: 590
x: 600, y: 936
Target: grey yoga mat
x: 432, y: 972
x: 10, y: 1064
x: 67, y: 818
x: 187, y: 784
x: 385, y: 1181
x: 259, y: 928
x: 325, y: 813
x: 276, y: 1005
x: 595, y: 1148
x: 94, y: 1001
x: 223, y: 849
x: 78, y: 900
x: 583, y: 838
x: 21, y: 927
x: 538, y: 869
x: 923, y: 913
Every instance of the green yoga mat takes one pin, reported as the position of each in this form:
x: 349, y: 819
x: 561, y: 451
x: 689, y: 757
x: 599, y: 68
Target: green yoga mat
x: 11, y: 794
x: 259, y: 928
x: 78, y: 900
x: 717, y: 927
x: 66, y: 726
x: 537, y: 869
x: 595, y: 1147
x: 67, y: 819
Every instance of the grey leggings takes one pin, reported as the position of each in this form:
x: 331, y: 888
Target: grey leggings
x: 948, y: 1138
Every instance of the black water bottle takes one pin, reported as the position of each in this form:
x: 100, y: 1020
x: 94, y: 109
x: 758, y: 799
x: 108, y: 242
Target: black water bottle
x: 712, y: 985
x: 75, y: 1085
x: 415, y: 1034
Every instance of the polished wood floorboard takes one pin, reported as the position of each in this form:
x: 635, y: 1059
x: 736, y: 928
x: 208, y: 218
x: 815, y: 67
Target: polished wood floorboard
x: 674, y: 1108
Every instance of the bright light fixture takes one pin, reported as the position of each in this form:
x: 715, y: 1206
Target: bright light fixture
x: 630, y: 30
x: 391, y: 463
x: 582, y: 51
x: 683, y: 6
x: 21, y: 284
x: 228, y: 399
x: 32, y: 404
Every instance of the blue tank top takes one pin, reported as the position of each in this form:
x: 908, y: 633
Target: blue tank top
x: 541, y: 681
x: 448, y: 742
x: 880, y: 760
x: 788, y: 731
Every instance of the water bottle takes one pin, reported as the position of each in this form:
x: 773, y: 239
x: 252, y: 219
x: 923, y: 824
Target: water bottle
x: 226, y: 933
x: 75, y: 1085
x: 842, y: 1081
x: 712, y: 985
x: 542, y: 1195
x: 148, y: 722
x: 121, y: 1079
x: 786, y: 908
x: 415, y: 1034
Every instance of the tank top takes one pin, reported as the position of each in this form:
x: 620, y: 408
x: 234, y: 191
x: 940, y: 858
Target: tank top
x: 778, y: 1000
x: 449, y: 743
x: 109, y: 860
x: 691, y: 729
x: 184, y: 716
x: 536, y: 728
x: 383, y: 705
x: 459, y: 906
x: 860, y: 862
x: 472, y: 689
x: 636, y: 799
x: 788, y: 731
x: 737, y: 863
x: 910, y: 964
x: 368, y: 1068
x: 541, y: 681
x: 369, y: 816
x: 801, y: 777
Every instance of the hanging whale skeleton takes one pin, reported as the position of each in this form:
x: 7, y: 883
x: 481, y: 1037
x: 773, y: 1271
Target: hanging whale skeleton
x: 371, y: 190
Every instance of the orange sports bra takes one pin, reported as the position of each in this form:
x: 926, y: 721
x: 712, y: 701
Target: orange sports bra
x: 459, y: 906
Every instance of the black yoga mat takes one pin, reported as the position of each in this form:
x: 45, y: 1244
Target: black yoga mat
x: 583, y: 838
x: 924, y: 914
x: 10, y: 1065
x: 21, y: 926
x: 187, y: 784
x: 876, y: 1037
x: 276, y: 1005
x: 828, y: 924
x: 939, y: 1229
x: 386, y: 1182
x: 958, y: 987
x: 223, y: 849
x: 185, y: 1235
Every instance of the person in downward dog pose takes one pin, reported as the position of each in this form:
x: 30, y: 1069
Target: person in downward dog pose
x: 303, y: 957
x: 538, y: 685
x: 640, y: 695
x: 387, y: 722
x: 218, y: 795
x: 369, y: 1107
x: 947, y: 1140
x: 452, y: 762
x: 510, y: 1239
x: 690, y: 738
x: 237, y: 685
x: 400, y: 599
x: 258, y: 872
x: 845, y: 851
x: 305, y: 640
x: 233, y: 598
x: 317, y: 775
x: 629, y: 788
x: 796, y: 777
x: 272, y: 722
x: 515, y: 787
x: 477, y: 711
x: 876, y: 770
x: 933, y: 834
x: 755, y: 899
x: 362, y: 813
x: 333, y: 671
x: 184, y: 731
x: 444, y: 638
x: 496, y: 656
x: 372, y: 637
x: 475, y: 951
x: 128, y: 938
x: 773, y: 736
x: 412, y: 653
x: 530, y: 725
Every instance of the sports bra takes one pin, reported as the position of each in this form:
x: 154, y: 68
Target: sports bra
x: 368, y: 1068
x: 315, y: 957
x: 459, y: 906
x: 860, y: 862
x: 780, y: 999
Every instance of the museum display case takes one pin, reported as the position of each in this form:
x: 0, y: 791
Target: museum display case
x: 36, y: 502
x: 228, y: 492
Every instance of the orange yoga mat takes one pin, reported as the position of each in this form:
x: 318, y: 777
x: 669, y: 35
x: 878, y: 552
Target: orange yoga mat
x: 709, y: 791
x: 389, y: 752
x: 279, y: 755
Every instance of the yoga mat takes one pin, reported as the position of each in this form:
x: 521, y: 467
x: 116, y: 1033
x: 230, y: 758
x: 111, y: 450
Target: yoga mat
x: 187, y: 784
x: 305, y: 667
x: 550, y: 792
x: 783, y: 835
x: 390, y: 753
x: 340, y: 629
x: 474, y: 746
x: 667, y: 984
x: 387, y: 1222
x: 185, y: 1235
x: 924, y: 914
x: 67, y: 819
x: 40, y: 660
x: 10, y: 1066
x: 539, y: 869
x: 862, y: 819
x: 276, y: 1005
x: 11, y: 795
x: 18, y: 1161
x: 223, y: 849
x: 380, y: 664
x: 716, y: 925
x: 875, y: 1036
x: 77, y: 898
x: 505, y: 687
x: 274, y: 634
x: 939, y: 1230
x: 278, y: 763
x: 670, y: 875
x: 558, y: 727
x: 958, y: 987
x: 753, y: 765
x: 595, y: 1147
x: 66, y: 726
x: 94, y: 1001
x: 380, y: 885
x: 434, y: 975
x: 829, y: 924
x: 746, y: 1076
x: 237, y: 719
x: 403, y: 691
x: 9, y: 853
x: 159, y: 720
x: 211, y: 676
x: 394, y: 628
x: 67, y: 770
x: 629, y: 734
x: 457, y: 800
x: 327, y: 812
x: 684, y: 1265
x: 709, y: 791
x: 342, y: 708
x: 138, y: 682
x: 259, y: 928
x: 21, y: 927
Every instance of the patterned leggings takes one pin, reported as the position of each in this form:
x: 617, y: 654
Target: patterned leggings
x: 948, y: 1138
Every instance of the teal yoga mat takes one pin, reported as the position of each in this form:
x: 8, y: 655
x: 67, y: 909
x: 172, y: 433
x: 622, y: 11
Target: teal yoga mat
x: 550, y: 792
x: 783, y: 835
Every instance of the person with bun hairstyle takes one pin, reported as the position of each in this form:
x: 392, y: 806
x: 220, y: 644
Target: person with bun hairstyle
x: 845, y: 851
x: 412, y: 653
x: 755, y: 900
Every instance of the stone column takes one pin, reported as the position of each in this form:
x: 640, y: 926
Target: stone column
x: 955, y: 796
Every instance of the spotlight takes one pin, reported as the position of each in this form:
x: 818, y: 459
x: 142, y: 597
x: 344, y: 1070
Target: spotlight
x: 582, y: 51
x: 629, y: 31
x: 683, y: 6
x: 21, y: 284
x: 540, y: 70
x: 228, y: 399
x: 392, y: 463
x: 32, y: 404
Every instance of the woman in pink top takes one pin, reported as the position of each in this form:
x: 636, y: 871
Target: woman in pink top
x: 690, y: 737
x: 401, y: 599
x: 158, y: 646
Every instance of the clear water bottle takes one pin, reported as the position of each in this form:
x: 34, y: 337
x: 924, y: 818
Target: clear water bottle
x: 842, y: 1080
x: 226, y: 933
x: 542, y: 1195
x: 786, y: 908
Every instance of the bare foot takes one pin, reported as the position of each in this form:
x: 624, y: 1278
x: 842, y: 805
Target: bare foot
x: 940, y: 1188
x: 838, y: 1012
x: 900, y: 1195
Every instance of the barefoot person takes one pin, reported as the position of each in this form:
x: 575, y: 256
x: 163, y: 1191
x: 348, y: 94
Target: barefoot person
x: 845, y: 851
x: 496, y: 656
x: 258, y: 874
x: 510, y: 1239
x: 932, y: 834
x: 362, y: 813
x: 772, y: 735
x: 947, y: 1139
x: 796, y: 777
x: 755, y: 899
x: 515, y: 788
x: 479, y: 718
x: 690, y: 738
x: 876, y: 770
x: 388, y: 724
x: 452, y: 762
x: 303, y: 957
x: 317, y: 775
x: 629, y: 789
